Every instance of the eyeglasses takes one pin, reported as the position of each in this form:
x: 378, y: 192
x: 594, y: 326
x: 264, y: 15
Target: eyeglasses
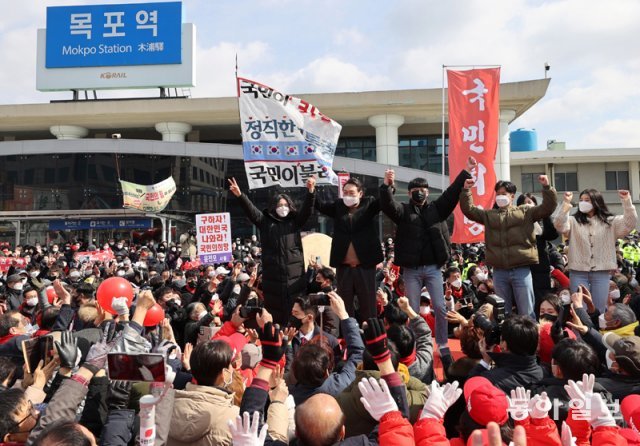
x: 33, y: 412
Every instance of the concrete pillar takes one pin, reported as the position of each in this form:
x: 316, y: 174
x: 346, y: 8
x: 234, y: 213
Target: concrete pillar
x: 387, y: 137
x: 173, y: 131
x: 502, y: 165
x: 68, y: 131
x: 634, y: 180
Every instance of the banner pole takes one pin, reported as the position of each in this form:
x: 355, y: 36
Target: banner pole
x: 443, y: 140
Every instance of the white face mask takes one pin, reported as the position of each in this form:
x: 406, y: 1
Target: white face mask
x: 34, y: 274
x: 350, y: 201
x: 614, y: 294
x: 565, y: 298
x: 481, y: 277
x: 585, y: 207
x: 236, y: 289
x: 608, y: 360
x: 602, y: 322
x: 120, y: 273
x: 456, y: 283
x: 17, y: 286
x: 425, y: 309
x: 32, y: 302
x: 282, y: 211
x: 502, y: 200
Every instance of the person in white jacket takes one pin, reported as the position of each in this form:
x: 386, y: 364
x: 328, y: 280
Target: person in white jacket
x: 592, y: 233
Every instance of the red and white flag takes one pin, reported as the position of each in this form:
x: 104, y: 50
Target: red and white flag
x: 474, y: 120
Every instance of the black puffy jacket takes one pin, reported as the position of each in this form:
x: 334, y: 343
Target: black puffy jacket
x: 422, y: 235
x: 282, y: 257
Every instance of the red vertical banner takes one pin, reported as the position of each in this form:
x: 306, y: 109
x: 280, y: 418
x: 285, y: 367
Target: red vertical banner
x: 474, y: 120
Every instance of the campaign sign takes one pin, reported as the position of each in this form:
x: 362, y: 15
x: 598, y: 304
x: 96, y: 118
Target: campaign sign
x: 213, y: 234
x: 114, y: 35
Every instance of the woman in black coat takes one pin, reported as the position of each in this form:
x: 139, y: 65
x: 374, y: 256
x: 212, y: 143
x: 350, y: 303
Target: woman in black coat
x: 283, y: 273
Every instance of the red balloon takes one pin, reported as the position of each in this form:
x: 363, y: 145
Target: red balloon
x: 114, y: 287
x: 51, y: 294
x: 154, y: 316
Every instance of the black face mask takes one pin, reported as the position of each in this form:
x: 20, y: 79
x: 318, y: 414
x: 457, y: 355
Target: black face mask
x: 418, y: 196
x: 548, y: 317
x: 295, y: 322
x: 481, y: 295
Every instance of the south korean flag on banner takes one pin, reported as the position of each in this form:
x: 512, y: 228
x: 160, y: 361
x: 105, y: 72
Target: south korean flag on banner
x: 285, y: 139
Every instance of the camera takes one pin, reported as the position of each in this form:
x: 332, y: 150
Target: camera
x: 492, y: 329
x: 250, y: 311
x: 319, y: 299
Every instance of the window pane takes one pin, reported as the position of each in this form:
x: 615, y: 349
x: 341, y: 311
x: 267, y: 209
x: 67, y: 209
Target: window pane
x: 560, y: 181
x: 572, y: 181
x: 49, y: 175
x: 527, y: 185
x: 404, y: 155
x: 623, y: 180
x: 610, y: 180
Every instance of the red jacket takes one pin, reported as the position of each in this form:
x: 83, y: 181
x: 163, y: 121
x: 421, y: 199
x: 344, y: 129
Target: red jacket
x: 600, y: 436
x: 541, y: 431
x: 429, y: 431
x: 395, y: 430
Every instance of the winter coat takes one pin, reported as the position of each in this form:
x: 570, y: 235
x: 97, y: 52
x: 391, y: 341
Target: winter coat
x: 511, y: 371
x: 422, y: 234
x: 282, y: 256
x: 360, y: 228
x: 593, y: 245
x: 357, y: 419
x: 509, y: 233
x: 200, y: 416
x: 422, y: 367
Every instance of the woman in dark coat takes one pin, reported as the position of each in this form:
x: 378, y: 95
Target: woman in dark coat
x: 283, y: 273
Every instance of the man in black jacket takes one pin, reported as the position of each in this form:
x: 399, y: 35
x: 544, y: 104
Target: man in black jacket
x: 355, y: 249
x: 422, y: 243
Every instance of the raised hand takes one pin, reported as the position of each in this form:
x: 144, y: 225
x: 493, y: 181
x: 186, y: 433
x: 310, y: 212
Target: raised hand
x: 376, y: 398
x: 67, y: 349
x: 440, y: 399
x: 568, y: 196
x: 624, y: 194
x: 311, y: 184
x: 468, y: 184
x: 244, y: 431
x: 471, y: 164
x: 389, y: 177
x: 544, y: 180
x: 234, y: 188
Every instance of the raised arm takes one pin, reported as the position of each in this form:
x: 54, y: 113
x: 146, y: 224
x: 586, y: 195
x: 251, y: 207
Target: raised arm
x: 447, y: 202
x: 467, y: 207
x: 625, y: 223
x: 549, y: 200
x: 307, y: 205
x: 561, y: 220
x: 393, y: 209
x: 253, y: 213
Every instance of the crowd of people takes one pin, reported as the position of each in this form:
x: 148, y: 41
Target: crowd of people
x: 531, y: 337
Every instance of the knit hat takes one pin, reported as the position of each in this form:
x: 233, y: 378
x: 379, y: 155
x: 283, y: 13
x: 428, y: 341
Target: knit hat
x: 485, y: 402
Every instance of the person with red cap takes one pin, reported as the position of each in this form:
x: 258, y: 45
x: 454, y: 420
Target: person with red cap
x: 630, y: 408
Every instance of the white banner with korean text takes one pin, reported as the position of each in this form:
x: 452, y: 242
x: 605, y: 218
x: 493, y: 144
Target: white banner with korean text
x: 285, y: 139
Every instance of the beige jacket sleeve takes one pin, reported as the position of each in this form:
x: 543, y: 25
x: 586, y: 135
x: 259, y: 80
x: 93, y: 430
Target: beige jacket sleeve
x: 625, y: 223
x: 561, y: 221
x: 278, y: 421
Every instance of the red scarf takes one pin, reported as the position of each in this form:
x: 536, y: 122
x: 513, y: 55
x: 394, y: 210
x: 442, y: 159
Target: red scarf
x: 7, y: 338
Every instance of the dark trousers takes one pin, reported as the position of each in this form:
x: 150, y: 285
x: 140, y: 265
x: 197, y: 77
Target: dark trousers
x: 358, y: 283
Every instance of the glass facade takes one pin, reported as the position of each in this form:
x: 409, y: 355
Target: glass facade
x: 89, y: 182
x: 423, y: 152
x: 358, y: 148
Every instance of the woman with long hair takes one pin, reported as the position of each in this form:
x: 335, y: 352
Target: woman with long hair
x: 283, y: 270
x: 592, y: 233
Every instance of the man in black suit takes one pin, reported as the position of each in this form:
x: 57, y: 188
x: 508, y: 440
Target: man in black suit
x: 355, y: 249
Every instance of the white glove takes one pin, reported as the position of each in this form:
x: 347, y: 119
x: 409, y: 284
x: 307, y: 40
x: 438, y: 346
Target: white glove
x: 539, y: 406
x: 120, y: 305
x: 566, y: 437
x: 245, y: 432
x: 376, y: 398
x: 519, y: 403
x: 440, y: 399
x: 589, y: 405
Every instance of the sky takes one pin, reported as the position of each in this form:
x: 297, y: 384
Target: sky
x: 305, y: 46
